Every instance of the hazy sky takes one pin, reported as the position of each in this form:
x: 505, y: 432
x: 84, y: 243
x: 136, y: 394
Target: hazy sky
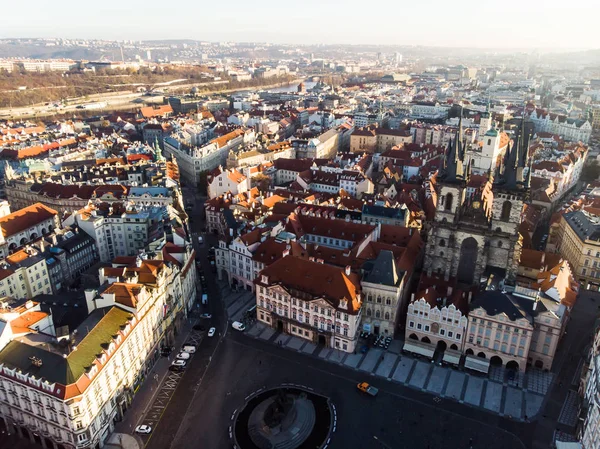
x: 457, y: 23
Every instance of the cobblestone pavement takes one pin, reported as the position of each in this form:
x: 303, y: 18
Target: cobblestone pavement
x: 496, y: 393
x: 570, y: 410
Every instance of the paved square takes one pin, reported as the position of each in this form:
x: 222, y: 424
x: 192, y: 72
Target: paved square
x: 256, y: 329
x: 325, y: 353
x: 539, y: 381
x: 437, y: 379
x: 352, y: 360
x: 474, y: 389
x: 295, y: 343
x: 514, y: 402
x: 282, y: 338
x: 337, y: 356
x: 533, y: 404
x: 387, y: 365
x: 455, y: 385
x: 267, y: 333
x: 419, y: 375
x: 493, y: 396
x: 395, y: 346
x: 370, y: 360
x: 403, y: 369
x: 570, y: 409
x: 309, y: 348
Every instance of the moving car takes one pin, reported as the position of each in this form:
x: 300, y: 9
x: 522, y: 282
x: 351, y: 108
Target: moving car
x: 204, y: 299
x: 238, y: 326
x: 206, y: 315
x: 211, y: 332
x: 200, y: 239
x: 183, y: 355
x: 366, y: 388
x: 189, y: 348
x: 143, y: 429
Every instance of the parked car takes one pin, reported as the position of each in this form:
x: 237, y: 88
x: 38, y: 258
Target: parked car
x: 143, y: 429
x: 183, y: 355
x: 211, y: 332
x: 366, y: 388
x: 178, y: 362
x: 176, y: 368
x: 188, y: 348
x: 238, y: 326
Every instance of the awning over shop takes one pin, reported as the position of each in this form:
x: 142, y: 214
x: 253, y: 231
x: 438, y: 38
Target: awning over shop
x: 477, y: 364
x: 420, y: 348
x: 452, y: 356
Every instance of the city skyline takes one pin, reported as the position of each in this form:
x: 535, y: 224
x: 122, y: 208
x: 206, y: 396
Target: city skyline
x: 471, y: 24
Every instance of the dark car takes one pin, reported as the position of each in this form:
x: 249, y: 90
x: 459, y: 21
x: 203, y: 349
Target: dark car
x: 176, y: 369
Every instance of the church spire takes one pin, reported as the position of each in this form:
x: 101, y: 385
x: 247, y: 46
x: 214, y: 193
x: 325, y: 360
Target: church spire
x: 454, y: 169
x: 515, y: 161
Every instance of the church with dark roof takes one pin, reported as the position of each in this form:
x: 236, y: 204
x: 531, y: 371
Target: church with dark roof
x: 475, y: 233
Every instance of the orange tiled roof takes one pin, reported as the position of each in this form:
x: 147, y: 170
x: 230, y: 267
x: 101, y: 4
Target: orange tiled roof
x: 23, y: 324
x: 314, y: 280
x: 25, y: 218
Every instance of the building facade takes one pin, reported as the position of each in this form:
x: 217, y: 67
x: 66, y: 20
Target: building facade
x: 317, y: 302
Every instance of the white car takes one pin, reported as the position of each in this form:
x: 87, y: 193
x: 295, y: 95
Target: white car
x: 189, y: 348
x: 143, y: 429
x: 211, y: 332
x: 178, y: 363
x: 183, y: 355
x: 238, y: 326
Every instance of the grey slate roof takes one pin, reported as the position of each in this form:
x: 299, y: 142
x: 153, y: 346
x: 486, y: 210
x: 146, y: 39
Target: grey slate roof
x: 384, y: 270
x: 495, y: 302
x: 582, y: 225
x: 382, y: 211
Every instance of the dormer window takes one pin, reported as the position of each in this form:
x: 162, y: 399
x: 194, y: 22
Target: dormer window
x: 264, y: 279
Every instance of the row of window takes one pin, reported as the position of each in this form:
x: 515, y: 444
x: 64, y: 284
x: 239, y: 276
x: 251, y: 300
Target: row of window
x: 426, y: 328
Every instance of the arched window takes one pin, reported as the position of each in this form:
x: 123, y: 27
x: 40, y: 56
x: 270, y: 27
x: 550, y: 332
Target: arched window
x: 489, y: 141
x: 442, y: 242
x: 499, y: 243
x: 387, y: 315
x: 388, y: 301
x: 506, y: 207
x: 377, y: 314
x: 370, y: 298
x: 448, y: 204
x: 379, y: 300
x: 441, y: 253
x: 368, y: 312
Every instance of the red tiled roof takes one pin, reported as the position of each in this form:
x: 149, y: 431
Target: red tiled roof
x: 25, y: 218
x: 155, y: 111
x: 314, y: 280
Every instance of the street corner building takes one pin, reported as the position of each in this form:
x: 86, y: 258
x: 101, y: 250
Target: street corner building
x: 311, y: 300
